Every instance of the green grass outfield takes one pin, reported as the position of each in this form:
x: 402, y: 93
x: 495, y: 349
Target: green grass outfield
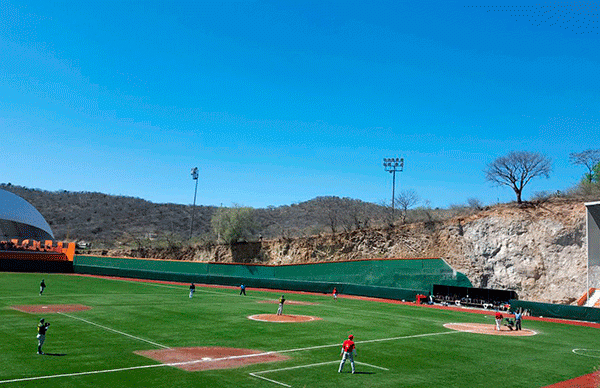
x: 398, y: 345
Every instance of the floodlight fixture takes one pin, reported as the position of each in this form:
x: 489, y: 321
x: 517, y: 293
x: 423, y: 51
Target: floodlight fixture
x: 194, y: 174
x: 393, y: 165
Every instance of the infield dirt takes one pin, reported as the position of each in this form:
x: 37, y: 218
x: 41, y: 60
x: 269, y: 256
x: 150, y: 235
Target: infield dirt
x: 207, y: 358
x: 50, y: 308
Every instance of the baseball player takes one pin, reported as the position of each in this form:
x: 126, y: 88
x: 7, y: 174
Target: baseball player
x: 348, y: 351
x: 499, y: 319
x: 243, y: 290
x: 192, y: 290
x: 335, y: 293
x: 42, y: 286
x: 518, y: 318
x: 41, y: 336
x: 281, y: 302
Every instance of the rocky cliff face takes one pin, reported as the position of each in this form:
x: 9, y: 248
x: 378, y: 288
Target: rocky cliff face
x: 537, y: 250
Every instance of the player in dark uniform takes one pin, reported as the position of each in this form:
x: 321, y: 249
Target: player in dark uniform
x: 243, y: 290
x: 42, y: 286
x: 41, y: 336
x: 192, y: 290
x: 281, y: 302
x: 518, y: 318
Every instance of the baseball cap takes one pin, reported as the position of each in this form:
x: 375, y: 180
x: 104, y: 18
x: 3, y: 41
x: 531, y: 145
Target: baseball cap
x: 42, y: 320
x: 350, y: 336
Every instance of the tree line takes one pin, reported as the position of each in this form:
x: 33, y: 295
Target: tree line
x: 518, y: 168
x: 126, y: 221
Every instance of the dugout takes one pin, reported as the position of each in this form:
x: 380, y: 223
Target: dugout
x: 471, y: 296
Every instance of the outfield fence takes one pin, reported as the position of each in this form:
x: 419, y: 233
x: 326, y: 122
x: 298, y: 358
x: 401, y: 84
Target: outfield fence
x: 549, y: 310
x: 400, y: 279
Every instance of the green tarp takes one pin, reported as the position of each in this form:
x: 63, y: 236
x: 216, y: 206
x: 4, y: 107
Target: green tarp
x: 548, y: 310
x: 394, y: 278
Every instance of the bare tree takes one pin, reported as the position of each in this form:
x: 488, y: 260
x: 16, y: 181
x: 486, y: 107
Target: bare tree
x: 388, y: 214
x: 587, y: 158
x: 475, y: 203
x: 517, y: 169
x: 333, y: 216
x: 405, y: 200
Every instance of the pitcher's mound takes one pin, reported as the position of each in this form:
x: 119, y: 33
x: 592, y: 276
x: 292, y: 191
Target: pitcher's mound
x: 482, y: 328
x: 50, y: 308
x: 205, y: 358
x: 282, y: 318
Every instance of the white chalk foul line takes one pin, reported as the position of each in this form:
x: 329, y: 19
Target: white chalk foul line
x: 269, y: 380
x: 116, y: 331
x: 256, y: 374
x: 296, y: 367
x: 80, y: 373
x: 131, y: 368
x: 370, y: 365
x: 214, y: 359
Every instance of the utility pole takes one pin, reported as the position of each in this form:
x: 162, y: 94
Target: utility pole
x: 194, y: 177
x: 392, y: 165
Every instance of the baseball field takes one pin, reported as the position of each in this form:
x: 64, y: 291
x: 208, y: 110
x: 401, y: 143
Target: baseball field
x: 117, y: 332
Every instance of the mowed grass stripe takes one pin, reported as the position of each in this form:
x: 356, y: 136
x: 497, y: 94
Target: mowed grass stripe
x: 465, y: 360
x: 216, y: 359
x: 115, y: 331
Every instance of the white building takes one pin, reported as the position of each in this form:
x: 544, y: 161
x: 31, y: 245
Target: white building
x: 20, y: 220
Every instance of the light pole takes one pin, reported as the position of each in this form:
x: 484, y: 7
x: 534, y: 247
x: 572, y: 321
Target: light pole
x: 194, y: 177
x: 392, y: 165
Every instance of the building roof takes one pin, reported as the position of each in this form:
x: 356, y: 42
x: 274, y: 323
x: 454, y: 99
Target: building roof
x: 19, y: 219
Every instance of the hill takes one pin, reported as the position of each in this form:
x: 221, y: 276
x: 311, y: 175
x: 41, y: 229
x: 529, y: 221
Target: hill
x: 536, y: 249
x: 110, y: 220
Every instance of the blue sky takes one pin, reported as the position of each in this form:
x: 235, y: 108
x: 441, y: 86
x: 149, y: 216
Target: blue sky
x: 280, y: 102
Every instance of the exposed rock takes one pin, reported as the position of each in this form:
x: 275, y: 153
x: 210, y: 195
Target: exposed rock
x: 537, y: 250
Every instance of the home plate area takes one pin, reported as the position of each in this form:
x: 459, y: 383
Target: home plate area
x: 481, y: 328
x: 207, y: 358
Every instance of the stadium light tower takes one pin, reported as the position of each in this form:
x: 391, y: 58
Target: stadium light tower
x: 194, y: 177
x: 392, y: 165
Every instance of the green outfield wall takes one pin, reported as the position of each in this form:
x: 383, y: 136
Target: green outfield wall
x: 381, y: 278
x: 549, y: 310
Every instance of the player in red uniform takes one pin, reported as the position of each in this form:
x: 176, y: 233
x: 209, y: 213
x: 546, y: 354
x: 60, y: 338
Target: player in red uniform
x: 335, y: 293
x: 499, y: 319
x: 348, y: 351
